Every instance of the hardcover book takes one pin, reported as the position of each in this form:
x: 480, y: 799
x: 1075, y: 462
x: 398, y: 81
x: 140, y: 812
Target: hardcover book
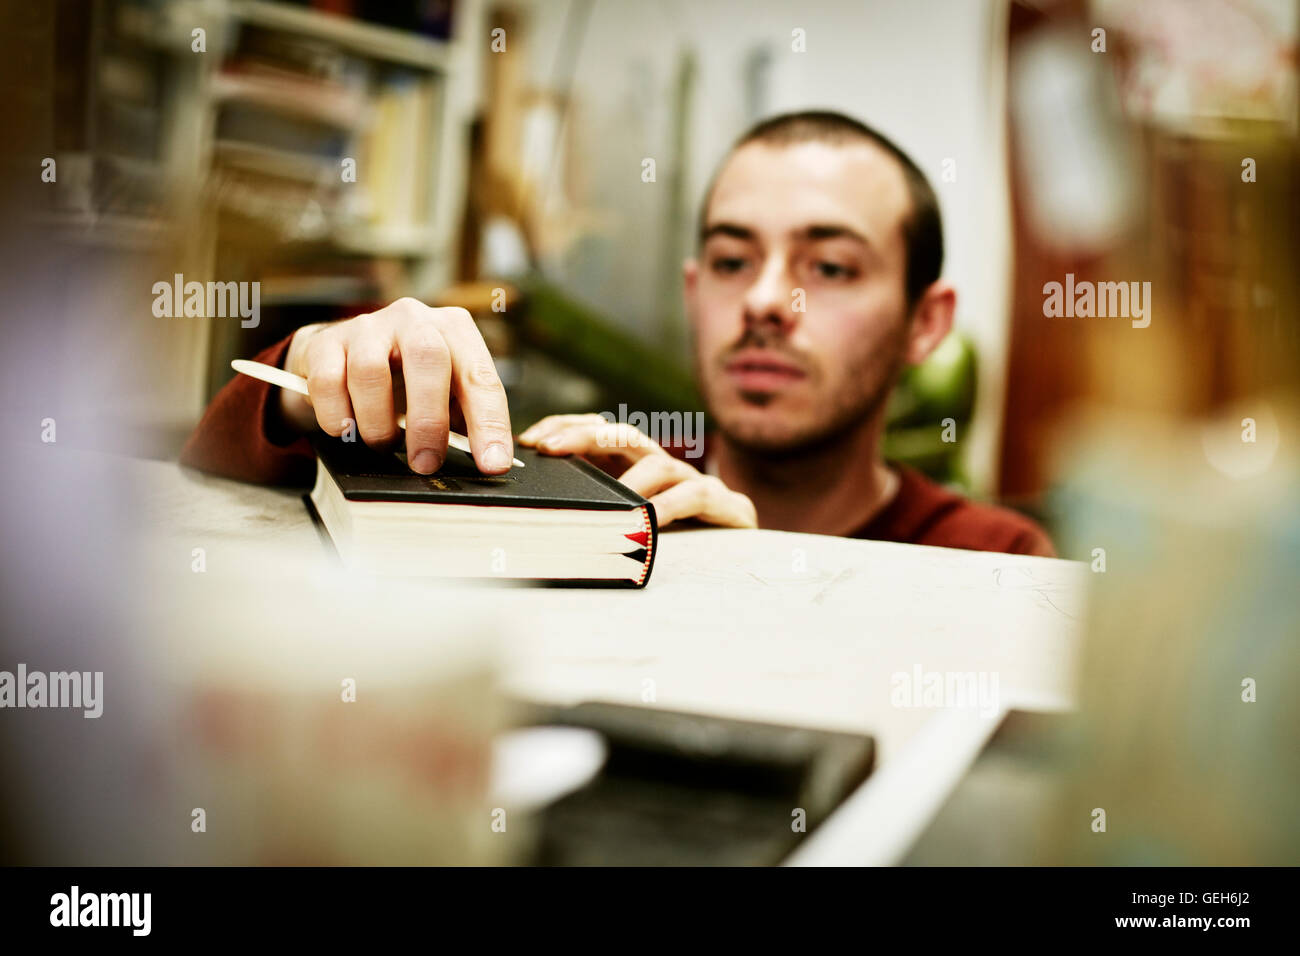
x: 559, y: 520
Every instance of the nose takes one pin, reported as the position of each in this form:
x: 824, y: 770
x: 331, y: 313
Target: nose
x: 769, y: 302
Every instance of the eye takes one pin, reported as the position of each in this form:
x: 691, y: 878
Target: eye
x: 727, y: 265
x: 833, y: 270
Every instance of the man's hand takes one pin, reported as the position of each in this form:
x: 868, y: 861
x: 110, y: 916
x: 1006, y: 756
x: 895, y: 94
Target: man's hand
x: 677, y: 490
x: 430, y: 361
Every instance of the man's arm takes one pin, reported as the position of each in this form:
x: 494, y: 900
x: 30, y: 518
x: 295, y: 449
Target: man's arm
x: 362, y: 373
x: 241, y: 434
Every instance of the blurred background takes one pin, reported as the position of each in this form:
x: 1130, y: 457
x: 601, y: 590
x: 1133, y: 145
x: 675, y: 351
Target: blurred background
x: 492, y: 146
x: 344, y: 153
x: 498, y: 152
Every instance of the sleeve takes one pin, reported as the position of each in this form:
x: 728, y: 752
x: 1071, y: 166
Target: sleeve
x: 239, y: 437
x: 1033, y: 541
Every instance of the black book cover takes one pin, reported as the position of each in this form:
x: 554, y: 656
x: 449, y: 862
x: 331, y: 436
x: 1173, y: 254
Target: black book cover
x: 364, y: 474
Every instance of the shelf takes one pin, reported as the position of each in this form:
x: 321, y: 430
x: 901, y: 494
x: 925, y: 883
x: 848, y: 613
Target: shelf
x: 316, y: 290
x: 368, y: 39
x: 402, y: 241
x: 270, y: 161
x: 115, y: 230
x: 338, y: 108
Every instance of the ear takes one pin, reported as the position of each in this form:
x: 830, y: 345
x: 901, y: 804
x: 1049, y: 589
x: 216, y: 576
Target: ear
x: 690, y: 287
x: 931, y: 321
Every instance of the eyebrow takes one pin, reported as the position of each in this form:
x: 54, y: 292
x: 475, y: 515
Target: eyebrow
x: 726, y: 229
x: 814, y: 232
x: 834, y: 232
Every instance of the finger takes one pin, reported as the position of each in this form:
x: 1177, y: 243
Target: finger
x: 655, y: 473
x: 327, y: 382
x: 479, y: 391
x: 370, y: 382
x: 706, y: 499
x: 426, y: 373
x: 553, y: 423
x: 614, y: 439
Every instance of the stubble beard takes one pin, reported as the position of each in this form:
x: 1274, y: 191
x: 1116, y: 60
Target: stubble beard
x: 848, y: 409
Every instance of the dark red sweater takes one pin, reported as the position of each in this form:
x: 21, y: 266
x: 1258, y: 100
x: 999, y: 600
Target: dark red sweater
x: 237, y: 438
x: 926, y: 513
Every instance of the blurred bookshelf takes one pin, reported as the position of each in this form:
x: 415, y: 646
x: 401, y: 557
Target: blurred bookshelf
x: 319, y: 148
x: 329, y: 137
x: 365, y: 39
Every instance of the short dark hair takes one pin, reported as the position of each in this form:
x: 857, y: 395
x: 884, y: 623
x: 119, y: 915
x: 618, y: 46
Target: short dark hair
x: 923, y: 227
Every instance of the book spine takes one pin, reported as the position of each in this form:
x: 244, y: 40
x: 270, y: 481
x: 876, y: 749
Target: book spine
x: 651, y: 544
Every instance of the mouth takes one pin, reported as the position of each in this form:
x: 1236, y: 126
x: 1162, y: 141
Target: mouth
x: 762, y: 372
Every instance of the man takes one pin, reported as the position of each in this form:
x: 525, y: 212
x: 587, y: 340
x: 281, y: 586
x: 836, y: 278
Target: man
x: 816, y: 283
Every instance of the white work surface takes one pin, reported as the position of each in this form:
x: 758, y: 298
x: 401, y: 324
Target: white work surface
x: 789, y: 628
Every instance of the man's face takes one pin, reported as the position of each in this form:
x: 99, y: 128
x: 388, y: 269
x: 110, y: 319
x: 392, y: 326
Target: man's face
x: 797, y: 299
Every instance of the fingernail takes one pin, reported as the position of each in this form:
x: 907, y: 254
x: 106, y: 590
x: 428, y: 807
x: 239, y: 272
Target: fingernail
x: 425, y: 461
x: 496, y: 457
x: 528, y: 434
